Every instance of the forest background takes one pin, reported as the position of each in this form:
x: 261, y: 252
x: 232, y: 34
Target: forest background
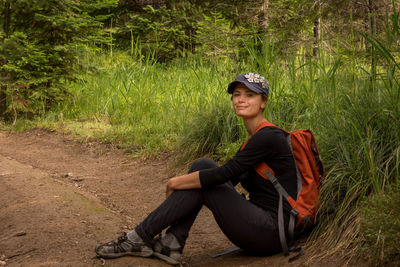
x: 151, y: 77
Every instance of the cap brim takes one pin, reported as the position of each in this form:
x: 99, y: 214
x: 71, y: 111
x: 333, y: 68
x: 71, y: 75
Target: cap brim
x: 232, y: 86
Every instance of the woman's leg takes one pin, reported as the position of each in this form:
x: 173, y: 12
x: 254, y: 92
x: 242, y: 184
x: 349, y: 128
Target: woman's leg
x: 178, y: 211
x: 244, y: 223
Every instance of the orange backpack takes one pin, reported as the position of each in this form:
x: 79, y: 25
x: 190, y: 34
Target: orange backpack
x: 310, y: 173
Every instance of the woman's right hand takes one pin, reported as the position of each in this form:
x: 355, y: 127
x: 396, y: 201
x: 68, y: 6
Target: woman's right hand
x: 187, y: 181
x: 169, y: 190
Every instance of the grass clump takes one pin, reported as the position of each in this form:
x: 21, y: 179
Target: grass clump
x: 212, y: 133
x: 380, y: 228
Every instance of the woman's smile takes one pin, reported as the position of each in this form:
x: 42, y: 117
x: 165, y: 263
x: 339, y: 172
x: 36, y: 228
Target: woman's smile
x: 241, y: 107
x: 247, y: 103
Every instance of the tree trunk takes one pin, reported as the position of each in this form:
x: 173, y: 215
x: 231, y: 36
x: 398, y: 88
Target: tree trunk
x: 265, y: 20
x: 7, y: 18
x: 317, y: 30
x: 372, y: 33
x: 3, y: 95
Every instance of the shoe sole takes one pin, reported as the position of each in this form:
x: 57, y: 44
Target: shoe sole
x: 145, y: 254
x: 165, y: 258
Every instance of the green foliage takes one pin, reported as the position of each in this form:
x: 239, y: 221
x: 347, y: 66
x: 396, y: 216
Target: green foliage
x: 214, y: 34
x: 360, y: 144
x: 295, y: 24
x: 174, y: 29
x: 166, y: 33
x: 211, y: 133
x: 148, y: 104
x: 30, y: 70
x: 380, y: 228
x: 380, y: 224
x: 40, y: 53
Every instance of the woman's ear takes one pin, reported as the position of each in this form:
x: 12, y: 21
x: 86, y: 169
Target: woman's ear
x: 263, y: 104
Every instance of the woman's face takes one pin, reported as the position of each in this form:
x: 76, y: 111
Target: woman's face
x: 246, y: 103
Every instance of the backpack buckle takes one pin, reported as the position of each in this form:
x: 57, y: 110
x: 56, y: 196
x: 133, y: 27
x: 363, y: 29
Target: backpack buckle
x: 294, y: 212
x: 274, y: 182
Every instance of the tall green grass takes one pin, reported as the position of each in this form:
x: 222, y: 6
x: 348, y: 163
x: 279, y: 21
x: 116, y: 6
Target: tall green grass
x: 149, y: 105
x: 360, y: 141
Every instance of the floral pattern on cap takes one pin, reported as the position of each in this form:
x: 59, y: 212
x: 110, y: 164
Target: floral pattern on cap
x: 256, y: 78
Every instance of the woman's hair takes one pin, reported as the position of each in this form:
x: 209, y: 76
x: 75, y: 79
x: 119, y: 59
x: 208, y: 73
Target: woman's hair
x: 264, y: 97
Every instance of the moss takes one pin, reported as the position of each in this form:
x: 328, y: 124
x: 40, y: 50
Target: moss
x: 380, y: 228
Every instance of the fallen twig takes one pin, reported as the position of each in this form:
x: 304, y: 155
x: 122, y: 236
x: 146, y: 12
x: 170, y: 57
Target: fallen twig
x: 22, y: 233
x: 21, y: 253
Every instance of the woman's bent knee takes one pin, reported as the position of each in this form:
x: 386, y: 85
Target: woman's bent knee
x: 201, y: 164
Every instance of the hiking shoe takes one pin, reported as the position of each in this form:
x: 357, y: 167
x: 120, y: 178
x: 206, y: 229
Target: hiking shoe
x: 124, y: 246
x: 168, y: 249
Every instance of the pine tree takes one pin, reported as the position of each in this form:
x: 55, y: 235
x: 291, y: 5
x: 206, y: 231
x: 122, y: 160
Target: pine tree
x: 39, y: 53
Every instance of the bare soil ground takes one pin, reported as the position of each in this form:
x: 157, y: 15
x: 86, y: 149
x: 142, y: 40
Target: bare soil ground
x: 60, y: 197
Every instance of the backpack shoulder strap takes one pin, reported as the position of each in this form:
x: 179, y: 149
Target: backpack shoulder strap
x: 292, y: 219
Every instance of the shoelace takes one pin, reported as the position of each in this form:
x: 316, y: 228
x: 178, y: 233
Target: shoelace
x: 122, y: 238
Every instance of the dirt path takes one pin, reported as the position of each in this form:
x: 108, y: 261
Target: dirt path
x: 60, y: 197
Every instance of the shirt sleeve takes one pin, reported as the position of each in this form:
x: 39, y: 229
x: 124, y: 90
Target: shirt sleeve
x: 262, y: 146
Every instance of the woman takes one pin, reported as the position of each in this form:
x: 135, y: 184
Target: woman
x: 250, y: 224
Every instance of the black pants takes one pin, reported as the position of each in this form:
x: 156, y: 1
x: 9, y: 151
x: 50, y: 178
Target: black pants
x: 245, y: 224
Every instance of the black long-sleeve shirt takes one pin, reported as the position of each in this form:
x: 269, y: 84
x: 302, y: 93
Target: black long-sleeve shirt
x: 268, y: 145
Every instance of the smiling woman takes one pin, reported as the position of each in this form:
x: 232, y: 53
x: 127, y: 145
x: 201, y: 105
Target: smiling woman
x: 250, y: 224
x: 248, y: 100
x: 246, y: 103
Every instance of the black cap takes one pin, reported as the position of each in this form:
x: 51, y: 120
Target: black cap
x: 255, y: 82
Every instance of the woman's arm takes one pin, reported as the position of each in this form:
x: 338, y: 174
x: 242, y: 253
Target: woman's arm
x: 187, y: 181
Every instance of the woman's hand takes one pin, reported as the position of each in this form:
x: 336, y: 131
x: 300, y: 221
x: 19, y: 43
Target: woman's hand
x: 187, y: 181
x: 169, y: 190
